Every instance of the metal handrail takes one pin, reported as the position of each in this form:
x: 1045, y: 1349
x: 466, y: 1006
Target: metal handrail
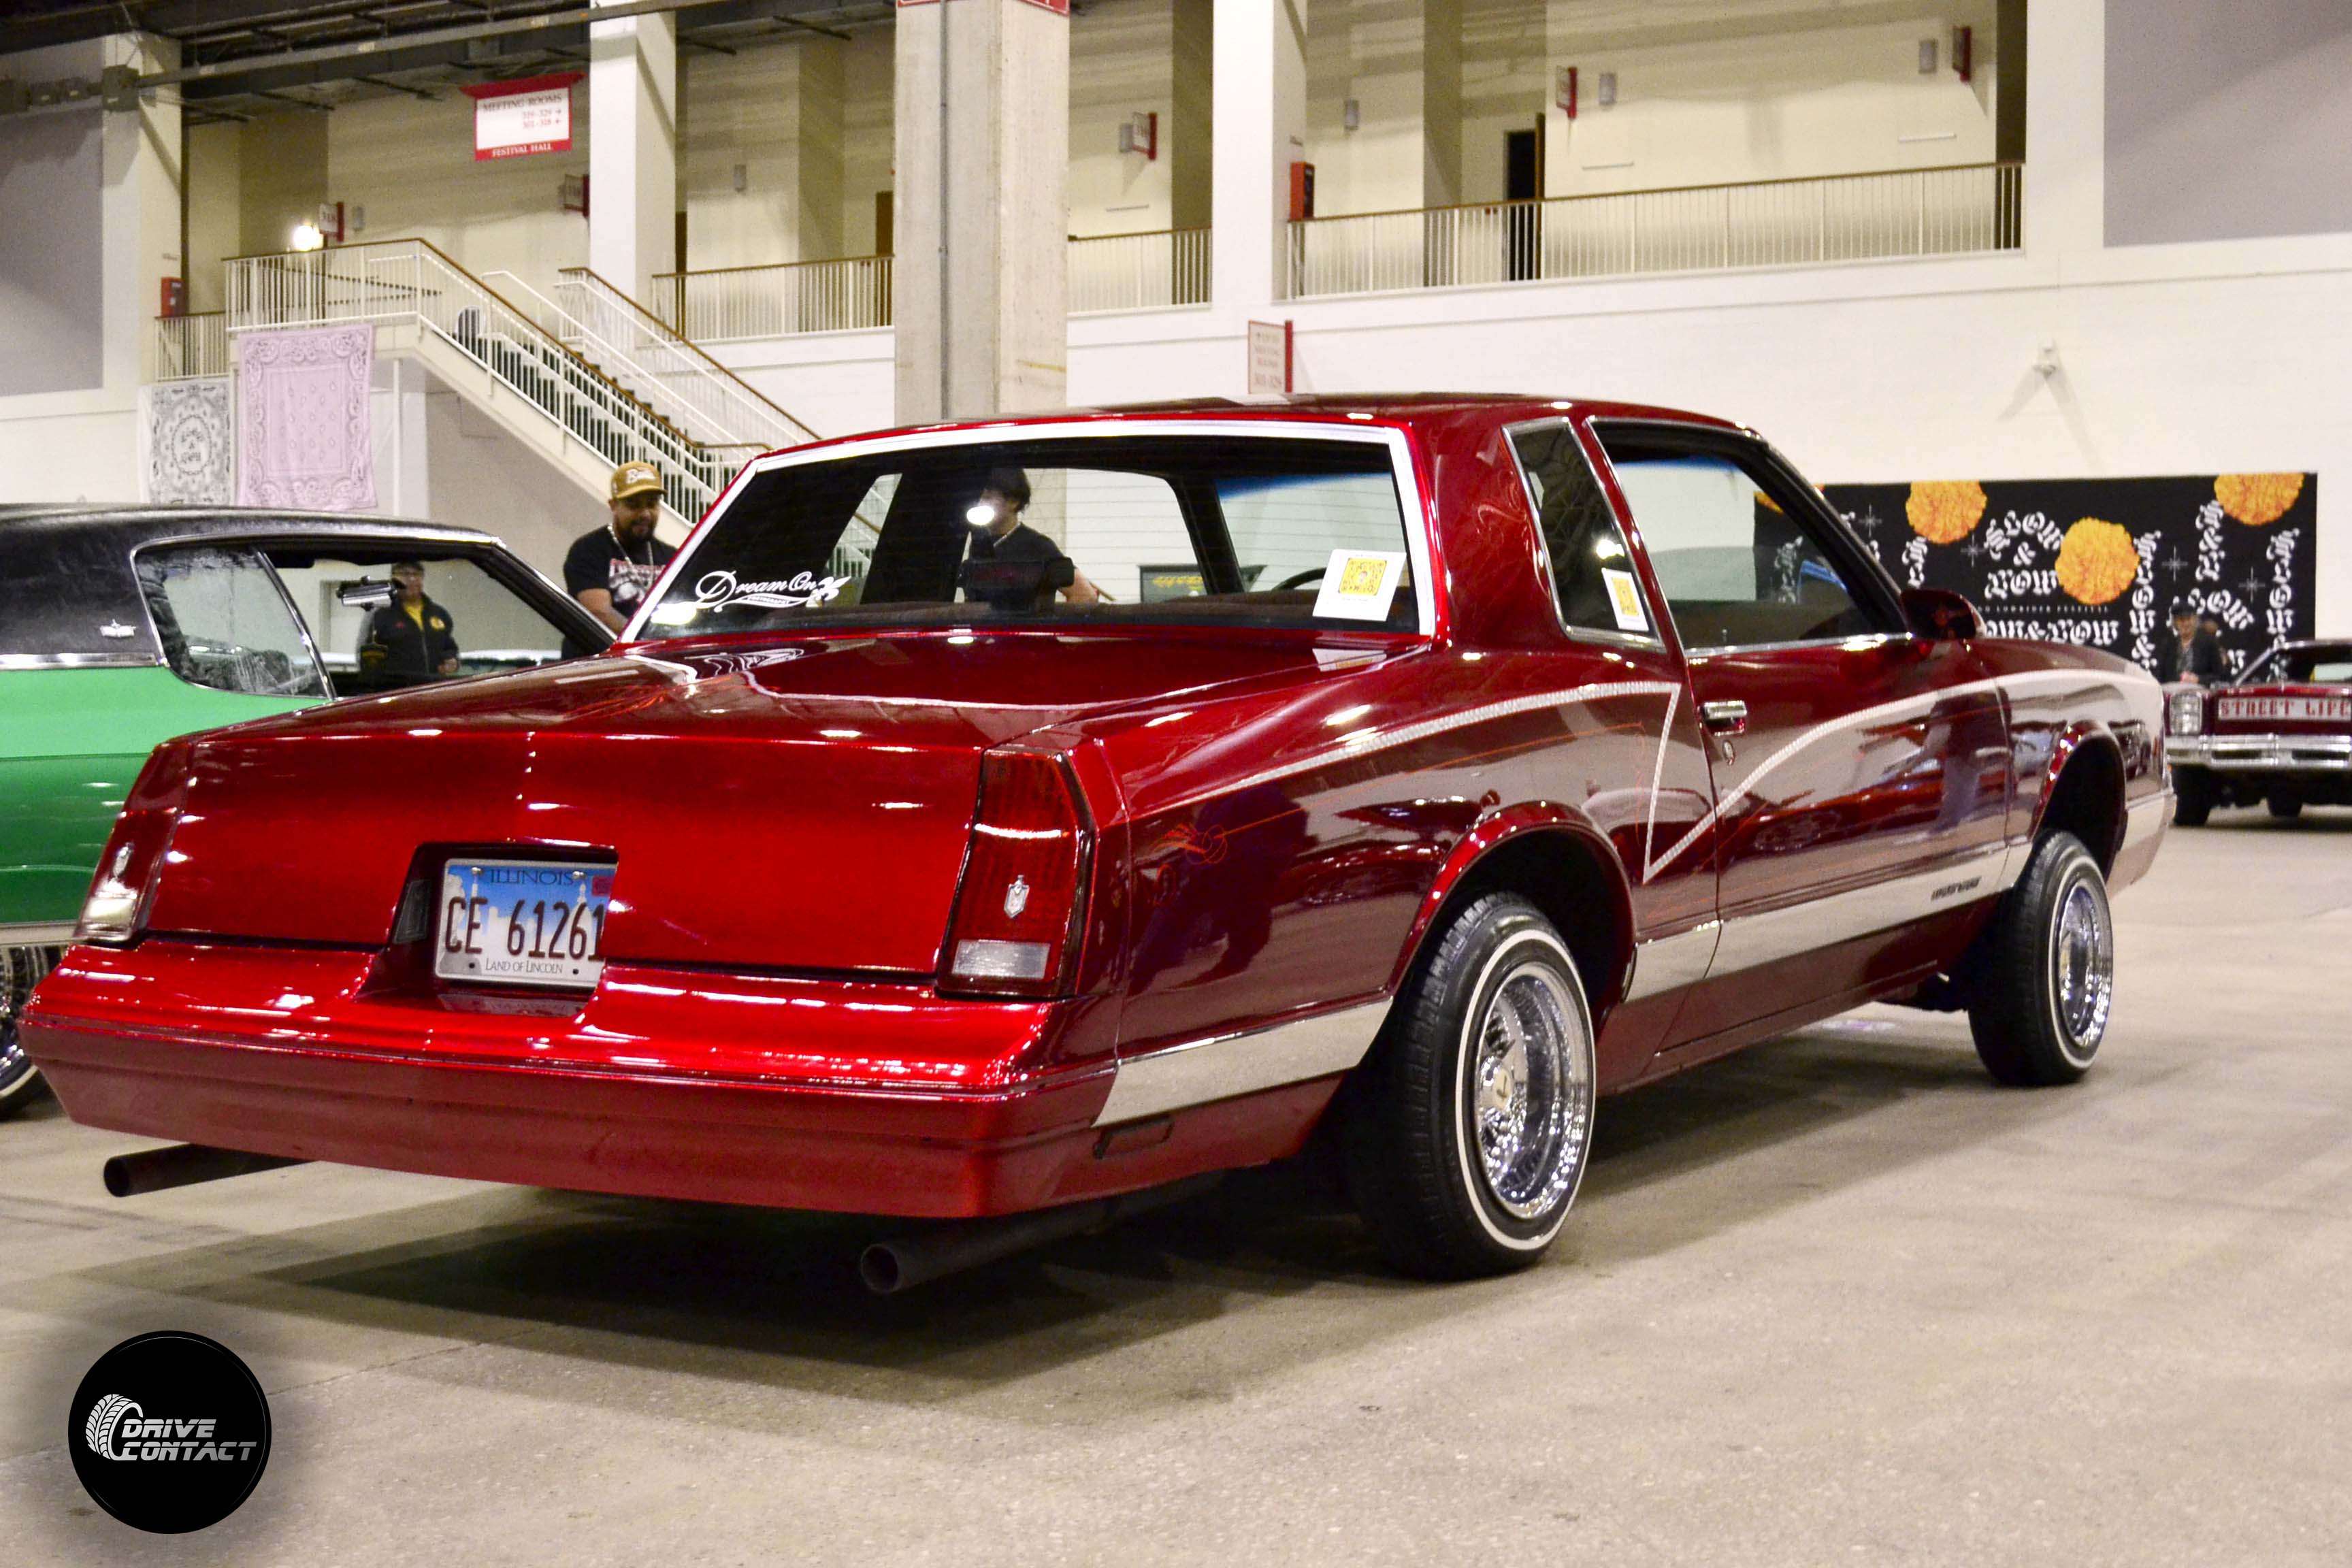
x: 413, y: 281
x: 1946, y: 210
x: 669, y: 368
x: 1656, y: 191
x: 1146, y: 269
x: 734, y: 303
x: 188, y: 345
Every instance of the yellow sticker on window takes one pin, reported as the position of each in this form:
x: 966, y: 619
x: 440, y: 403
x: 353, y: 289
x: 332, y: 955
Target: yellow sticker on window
x: 1625, y: 601
x: 1360, y: 584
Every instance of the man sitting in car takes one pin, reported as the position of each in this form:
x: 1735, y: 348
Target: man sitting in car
x: 412, y: 639
x: 1010, y: 565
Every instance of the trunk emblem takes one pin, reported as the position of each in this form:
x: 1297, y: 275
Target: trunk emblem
x: 1016, y: 898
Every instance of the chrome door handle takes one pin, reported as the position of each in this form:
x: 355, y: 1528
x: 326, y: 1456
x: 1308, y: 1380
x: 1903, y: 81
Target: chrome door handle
x: 1725, y: 718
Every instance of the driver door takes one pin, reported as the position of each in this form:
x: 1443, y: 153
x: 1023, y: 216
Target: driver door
x: 1862, y: 774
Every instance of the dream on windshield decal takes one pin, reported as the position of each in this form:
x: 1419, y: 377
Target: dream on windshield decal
x: 803, y: 590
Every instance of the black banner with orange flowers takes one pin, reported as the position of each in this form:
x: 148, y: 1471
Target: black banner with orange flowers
x: 2101, y: 561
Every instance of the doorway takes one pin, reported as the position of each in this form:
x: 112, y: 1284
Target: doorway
x: 1523, y: 189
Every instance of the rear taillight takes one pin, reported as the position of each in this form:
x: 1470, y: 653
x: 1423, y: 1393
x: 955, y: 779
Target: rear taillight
x: 116, y: 908
x: 1017, y: 912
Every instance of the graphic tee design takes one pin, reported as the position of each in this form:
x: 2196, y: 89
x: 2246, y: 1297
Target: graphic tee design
x: 597, y: 560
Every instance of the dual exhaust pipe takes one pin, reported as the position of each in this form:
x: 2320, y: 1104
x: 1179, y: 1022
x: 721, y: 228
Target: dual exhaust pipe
x: 887, y: 1267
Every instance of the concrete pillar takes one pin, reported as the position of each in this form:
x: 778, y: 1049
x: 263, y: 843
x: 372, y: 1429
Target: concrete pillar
x: 1191, y: 117
x: 2065, y: 127
x: 140, y: 173
x: 980, y: 281
x: 1441, y: 103
x: 1260, y: 85
x: 632, y: 150
x: 817, y: 148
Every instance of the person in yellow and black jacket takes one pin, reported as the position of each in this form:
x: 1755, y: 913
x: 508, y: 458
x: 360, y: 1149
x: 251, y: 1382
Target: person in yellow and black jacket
x: 410, y: 640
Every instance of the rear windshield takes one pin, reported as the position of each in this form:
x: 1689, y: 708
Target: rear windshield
x: 1165, y: 529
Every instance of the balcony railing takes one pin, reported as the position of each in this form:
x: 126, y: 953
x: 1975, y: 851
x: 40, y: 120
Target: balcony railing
x: 1139, y: 271
x: 1767, y: 223
x: 189, y: 346
x: 409, y: 282
x: 730, y: 304
x: 727, y: 304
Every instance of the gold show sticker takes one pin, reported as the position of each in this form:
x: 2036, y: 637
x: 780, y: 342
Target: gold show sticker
x: 1360, y: 584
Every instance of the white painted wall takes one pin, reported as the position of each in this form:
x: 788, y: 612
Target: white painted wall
x: 1123, y: 54
x: 409, y: 165
x: 479, y: 476
x: 1789, y: 105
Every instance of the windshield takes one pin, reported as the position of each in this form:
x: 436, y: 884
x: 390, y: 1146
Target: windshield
x: 2311, y: 664
x: 1194, y: 529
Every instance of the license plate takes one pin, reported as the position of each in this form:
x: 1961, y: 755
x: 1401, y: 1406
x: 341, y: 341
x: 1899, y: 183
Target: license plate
x: 2286, y: 708
x: 523, y: 922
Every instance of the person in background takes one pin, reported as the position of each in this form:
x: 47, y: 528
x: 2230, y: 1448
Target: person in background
x: 2189, y: 654
x: 1011, y: 566
x: 610, y: 569
x: 412, y: 639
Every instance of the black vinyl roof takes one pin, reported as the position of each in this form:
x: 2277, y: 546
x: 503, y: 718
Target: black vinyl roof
x: 66, y: 575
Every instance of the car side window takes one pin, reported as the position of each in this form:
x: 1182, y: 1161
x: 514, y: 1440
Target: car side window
x: 1739, y: 565
x: 224, y: 624
x: 1591, y: 570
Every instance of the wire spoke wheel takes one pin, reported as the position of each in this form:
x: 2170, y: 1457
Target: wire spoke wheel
x: 1528, y: 1097
x: 21, y: 969
x: 2083, y: 968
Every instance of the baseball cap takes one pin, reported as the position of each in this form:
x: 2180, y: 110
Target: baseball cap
x: 636, y: 479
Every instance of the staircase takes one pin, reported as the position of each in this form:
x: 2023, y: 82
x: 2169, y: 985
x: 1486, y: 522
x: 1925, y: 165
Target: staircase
x: 587, y: 389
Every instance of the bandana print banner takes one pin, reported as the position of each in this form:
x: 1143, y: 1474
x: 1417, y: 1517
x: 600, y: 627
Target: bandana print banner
x: 302, y: 418
x: 186, y: 443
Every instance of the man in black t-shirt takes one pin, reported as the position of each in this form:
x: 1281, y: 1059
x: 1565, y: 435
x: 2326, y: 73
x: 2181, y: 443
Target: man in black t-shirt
x: 1010, y: 565
x: 612, y: 570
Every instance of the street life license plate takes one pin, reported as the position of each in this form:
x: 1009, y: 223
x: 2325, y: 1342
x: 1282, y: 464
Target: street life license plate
x: 523, y: 922
x: 2286, y: 708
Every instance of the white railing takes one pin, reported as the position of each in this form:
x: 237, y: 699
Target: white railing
x: 1769, y: 223
x: 187, y: 346
x: 408, y: 281
x: 641, y: 351
x: 733, y: 303
x: 1139, y: 271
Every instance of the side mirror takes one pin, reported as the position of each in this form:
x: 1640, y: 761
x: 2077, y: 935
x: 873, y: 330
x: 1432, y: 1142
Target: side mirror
x: 367, y: 594
x: 1939, y: 615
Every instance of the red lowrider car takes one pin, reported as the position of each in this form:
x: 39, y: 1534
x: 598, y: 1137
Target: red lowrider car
x: 2280, y: 733
x: 996, y: 819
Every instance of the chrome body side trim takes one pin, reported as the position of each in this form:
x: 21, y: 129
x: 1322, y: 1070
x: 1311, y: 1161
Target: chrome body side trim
x: 1224, y: 1066
x: 1671, y: 963
x: 144, y: 658
x: 37, y: 933
x: 2261, y: 753
x: 1752, y: 941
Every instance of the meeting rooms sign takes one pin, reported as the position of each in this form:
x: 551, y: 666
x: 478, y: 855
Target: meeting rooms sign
x: 516, y: 118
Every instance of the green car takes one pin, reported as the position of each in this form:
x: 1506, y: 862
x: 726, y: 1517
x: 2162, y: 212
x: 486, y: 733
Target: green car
x: 120, y: 627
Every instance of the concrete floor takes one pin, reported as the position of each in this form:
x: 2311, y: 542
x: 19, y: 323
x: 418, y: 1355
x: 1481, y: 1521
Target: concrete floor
x: 1838, y: 1300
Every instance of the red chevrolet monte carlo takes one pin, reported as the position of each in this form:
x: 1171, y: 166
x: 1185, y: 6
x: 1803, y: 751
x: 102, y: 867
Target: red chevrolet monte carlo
x: 993, y: 818
x: 2281, y: 733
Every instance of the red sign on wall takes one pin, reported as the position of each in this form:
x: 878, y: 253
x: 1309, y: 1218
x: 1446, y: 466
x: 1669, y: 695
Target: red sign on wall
x: 516, y: 118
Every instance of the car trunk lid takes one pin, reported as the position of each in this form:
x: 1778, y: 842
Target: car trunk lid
x: 800, y: 807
